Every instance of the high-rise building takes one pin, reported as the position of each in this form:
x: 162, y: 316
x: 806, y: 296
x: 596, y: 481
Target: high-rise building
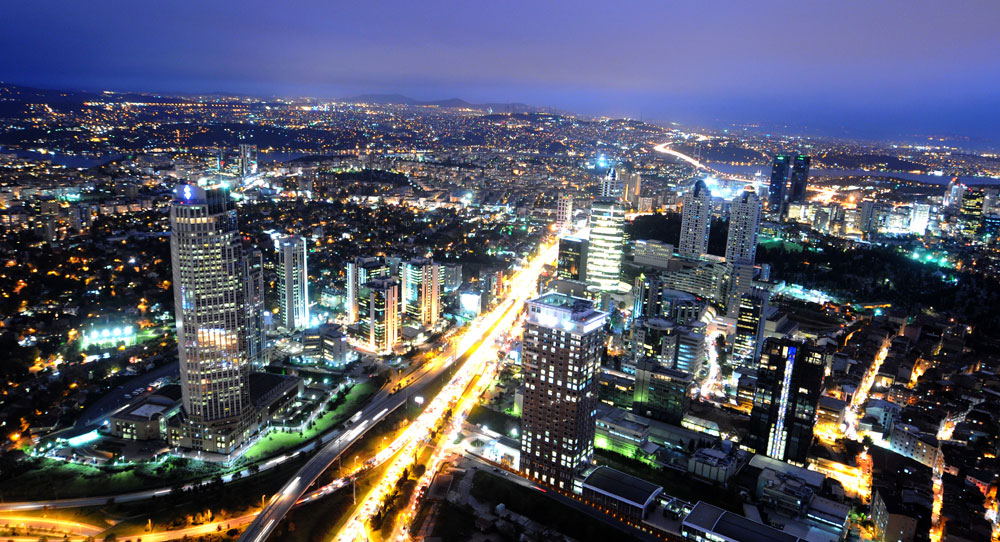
x: 661, y: 393
x: 920, y: 216
x: 212, y: 277
x: 247, y: 159
x: 776, y: 190
x: 692, y: 351
x: 655, y: 339
x: 632, y: 188
x: 750, y: 323
x: 799, y: 180
x: 605, y: 247
x: 744, y: 226
x: 380, y: 307
x: 741, y: 247
x: 572, y: 262
x: 971, y: 214
x: 421, y: 292
x: 868, y: 217
x: 696, y: 219
x: 991, y: 200
x: 564, y: 212
x: 359, y: 272
x: 611, y: 185
x: 562, y: 346
x: 789, y: 381
x: 953, y: 194
x: 255, y: 308
x: 293, y: 282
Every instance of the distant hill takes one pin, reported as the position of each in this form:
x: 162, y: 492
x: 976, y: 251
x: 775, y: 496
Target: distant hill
x: 457, y: 103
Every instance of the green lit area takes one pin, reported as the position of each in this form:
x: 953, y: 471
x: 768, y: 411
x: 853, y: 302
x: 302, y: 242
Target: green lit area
x: 932, y: 258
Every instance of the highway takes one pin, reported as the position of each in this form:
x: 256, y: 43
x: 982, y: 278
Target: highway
x: 483, y: 329
x: 459, y: 393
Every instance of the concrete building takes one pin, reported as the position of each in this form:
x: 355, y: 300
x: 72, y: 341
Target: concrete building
x: 564, y: 212
x: 741, y: 247
x: 380, y: 307
x: 696, y: 217
x: 572, y: 261
x: 359, y: 272
x: 661, y: 393
x: 789, y: 381
x: 562, y: 346
x: 652, y: 253
x: 421, y: 292
x: 293, y: 283
x: 211, y: 281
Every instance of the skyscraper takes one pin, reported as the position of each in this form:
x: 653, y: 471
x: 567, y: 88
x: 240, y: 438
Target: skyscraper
x: 359, y: 272
x: 563, y: 341
x: 750, y: 322
x: 611, y: 185
x: 741, y: 247
x: 971, y: 213
x: 212, y: 282
x: 421, y: 292
x: 604, y: 251
x: 572, y: 263
x: 920, y: 216
x: 776, y: 189
x: 247, y: 159
x: 632, y: 188
x: 380, y: 315
x: 789, y: 381
x: 696, y: 219
x: 293, y: 282
x: 953, y: 194
x: 564, y: 212
x: 799, y: 180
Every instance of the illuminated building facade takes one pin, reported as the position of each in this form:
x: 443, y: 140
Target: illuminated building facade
x: 741, y: 247
x: 779, y: 181
x: 606, y: 244
x: 750, y: 323
x: 359, y: 272
x: 247, y: 159
x: 563, y: 341
x: 572, y: 262
x: 971, y: 214
x: 212, y: 282
x: 421, y: 292
x: 799, y: 180
x: 789, y: 381
x: 380, y: 308
x: 293, y: 282
x: 564, y: 213
x: 696, y: 219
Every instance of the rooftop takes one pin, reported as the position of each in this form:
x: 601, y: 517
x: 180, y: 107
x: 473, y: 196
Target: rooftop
x: 733, y: 527
x: 622, y: 486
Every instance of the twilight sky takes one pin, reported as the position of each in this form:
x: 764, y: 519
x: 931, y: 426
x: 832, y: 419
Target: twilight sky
x: 879, y: 68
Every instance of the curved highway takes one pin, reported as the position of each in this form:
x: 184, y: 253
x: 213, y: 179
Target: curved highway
x: 479, y: 333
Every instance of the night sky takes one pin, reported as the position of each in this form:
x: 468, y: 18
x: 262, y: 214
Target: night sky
x: 878, y: 68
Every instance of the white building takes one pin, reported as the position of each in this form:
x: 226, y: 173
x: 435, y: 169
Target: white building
x: 607, y: 232
x: 293, y: 282
x: 696, y: 218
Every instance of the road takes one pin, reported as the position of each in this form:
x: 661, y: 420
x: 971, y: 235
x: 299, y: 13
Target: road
x: 459, y: 393
x: 482, y: 330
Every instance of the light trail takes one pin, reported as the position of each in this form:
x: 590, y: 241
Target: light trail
x: 455, y: 393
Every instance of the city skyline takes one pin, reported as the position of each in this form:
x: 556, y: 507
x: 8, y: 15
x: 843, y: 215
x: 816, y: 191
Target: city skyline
x: 862, y: 71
